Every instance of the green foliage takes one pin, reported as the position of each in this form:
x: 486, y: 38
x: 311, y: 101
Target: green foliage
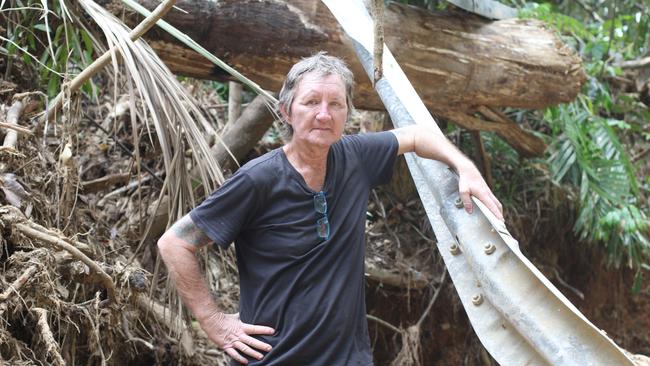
x: 589, y: 152
x: 563, y: 23
x: 588, y: 155
x: 42, y: 33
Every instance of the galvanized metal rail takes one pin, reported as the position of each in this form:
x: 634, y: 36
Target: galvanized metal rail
x: 487, y: 8
x: 518, y: 315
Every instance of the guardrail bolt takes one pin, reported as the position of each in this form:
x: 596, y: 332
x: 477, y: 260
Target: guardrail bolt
x: 454, y: 249
x: 489, y: 248
x: 477, y: 299
x: 459, y: 203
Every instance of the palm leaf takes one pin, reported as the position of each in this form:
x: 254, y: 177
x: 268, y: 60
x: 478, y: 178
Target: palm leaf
x: 166, y: 107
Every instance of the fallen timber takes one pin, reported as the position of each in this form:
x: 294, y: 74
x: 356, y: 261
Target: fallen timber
x: 477, y: 66
x: 518, y: 315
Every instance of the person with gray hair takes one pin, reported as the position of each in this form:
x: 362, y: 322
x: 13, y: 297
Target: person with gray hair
x: 297, y: 217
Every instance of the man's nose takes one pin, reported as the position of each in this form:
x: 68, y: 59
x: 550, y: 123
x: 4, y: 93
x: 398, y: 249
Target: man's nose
x: 323, y: 112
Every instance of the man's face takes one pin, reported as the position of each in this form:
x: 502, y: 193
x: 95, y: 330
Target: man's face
x: 319, y: 110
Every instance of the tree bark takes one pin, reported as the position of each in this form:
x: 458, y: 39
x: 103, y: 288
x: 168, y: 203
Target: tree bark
x: 456, y: 61
x: 242, y: 135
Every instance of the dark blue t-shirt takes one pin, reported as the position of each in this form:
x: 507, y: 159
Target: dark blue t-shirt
x: 310, y: 290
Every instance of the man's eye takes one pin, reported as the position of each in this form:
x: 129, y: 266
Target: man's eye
x: 312, y: 102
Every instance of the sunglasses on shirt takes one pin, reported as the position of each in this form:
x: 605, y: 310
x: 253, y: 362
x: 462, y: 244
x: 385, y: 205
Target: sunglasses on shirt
x: 322, y: 224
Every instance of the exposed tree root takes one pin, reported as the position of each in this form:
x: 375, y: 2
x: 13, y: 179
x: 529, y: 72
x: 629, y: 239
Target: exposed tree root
x: 51, y: 346
x: 34, y: 231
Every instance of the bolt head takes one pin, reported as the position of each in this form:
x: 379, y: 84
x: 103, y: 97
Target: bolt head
x: 459, y: 203
x: 477, y: 299
x: 454, y: 249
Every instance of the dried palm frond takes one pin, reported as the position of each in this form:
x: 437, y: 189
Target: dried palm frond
x: 270, y: 101
x: 162, y: 103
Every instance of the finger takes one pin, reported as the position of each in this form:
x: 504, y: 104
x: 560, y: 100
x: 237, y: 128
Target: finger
x: 256, y: 343
x: 236, y: 356
x: 499, y: 208
x: 257, y: 329
x: 494, y: 205
x: 247, y: 350
x: 467, y: 201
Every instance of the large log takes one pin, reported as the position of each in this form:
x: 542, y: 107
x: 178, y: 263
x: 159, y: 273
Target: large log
x: 456, y: 61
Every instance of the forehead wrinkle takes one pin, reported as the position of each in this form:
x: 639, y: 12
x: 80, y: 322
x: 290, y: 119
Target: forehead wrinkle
x: 311, y: 87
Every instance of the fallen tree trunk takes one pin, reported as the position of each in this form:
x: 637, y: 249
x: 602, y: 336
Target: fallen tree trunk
x: 457, y: 62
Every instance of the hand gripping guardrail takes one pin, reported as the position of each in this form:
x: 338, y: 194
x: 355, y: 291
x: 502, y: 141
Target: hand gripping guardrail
x: 518, y: 315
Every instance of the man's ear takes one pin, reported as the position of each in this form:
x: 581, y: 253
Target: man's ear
x: 283, y: 113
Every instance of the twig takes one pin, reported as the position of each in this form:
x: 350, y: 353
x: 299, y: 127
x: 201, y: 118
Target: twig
x: 104, y: 59
x: 12, y: 119
x: 635, y: 64
x: 19, y: 129
x: 18, y: 283
x: 611, y: 38
x: 57, y: 242
x: 483, y: 157
x: 590, y: 10
x: 433, y: 299
x: 130, y: 337
x: 640, y: 155
x: 99, y: 184
x: 125, y: 149
x: 12, y: 215
x: 234, y: 101
x: 51, y: 347
x: 29, y: 94
x: 378, y: 53
x: 384, y: 323
x: 412, y: 279
x: 126, y: 188
x: 563, y: 283
x: 164, y: 316
x: 385, y: 217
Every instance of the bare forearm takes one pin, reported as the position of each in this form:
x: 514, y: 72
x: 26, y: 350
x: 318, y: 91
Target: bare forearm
x: 429, y: 144
x: 177, y: 248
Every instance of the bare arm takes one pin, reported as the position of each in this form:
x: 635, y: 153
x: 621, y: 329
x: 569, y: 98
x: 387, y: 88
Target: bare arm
x: 428, y: 144
x: 177, y: 248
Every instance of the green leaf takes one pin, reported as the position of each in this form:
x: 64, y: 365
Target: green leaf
x: 41, y: 27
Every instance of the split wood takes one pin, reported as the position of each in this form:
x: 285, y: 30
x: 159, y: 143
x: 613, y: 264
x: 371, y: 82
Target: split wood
x: 104, y: 59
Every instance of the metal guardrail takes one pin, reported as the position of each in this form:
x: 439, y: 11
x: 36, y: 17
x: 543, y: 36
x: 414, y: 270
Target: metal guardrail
x: 487, y: 8
x: 518, y: 315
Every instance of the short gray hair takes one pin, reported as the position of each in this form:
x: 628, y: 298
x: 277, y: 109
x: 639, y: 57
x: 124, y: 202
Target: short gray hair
x: 323, y: 64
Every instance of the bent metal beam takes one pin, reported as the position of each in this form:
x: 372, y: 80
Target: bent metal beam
x: 518, y: 315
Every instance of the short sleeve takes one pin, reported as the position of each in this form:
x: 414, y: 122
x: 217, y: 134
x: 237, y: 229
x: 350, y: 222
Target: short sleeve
x: 377, y: 152
x: 226, y: 211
